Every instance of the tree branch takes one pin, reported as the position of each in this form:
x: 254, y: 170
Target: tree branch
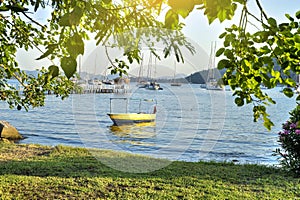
x: 109, y: 59
x: 33, y: 20
x: 261, y: 9
x: 18, y: 78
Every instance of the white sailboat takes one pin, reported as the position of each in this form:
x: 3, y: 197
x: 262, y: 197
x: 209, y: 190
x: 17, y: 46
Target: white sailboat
x: 174, y: 83
x: 152, y: 84
x: 140, y: 82
x: 212, y: 82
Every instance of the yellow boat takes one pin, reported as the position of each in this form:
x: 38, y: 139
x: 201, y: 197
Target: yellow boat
x: 131, y: 118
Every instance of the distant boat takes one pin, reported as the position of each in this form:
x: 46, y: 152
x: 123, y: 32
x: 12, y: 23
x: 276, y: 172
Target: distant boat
x: 152, y: 84
x: 132, y: 117
x: 141, y: 83
x: 108, y: 82
x: 212, y: 83
x: 203, y: 86
x: 175, y: 84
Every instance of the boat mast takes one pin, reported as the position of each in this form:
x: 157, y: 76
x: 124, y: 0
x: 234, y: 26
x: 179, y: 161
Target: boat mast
x: 149, y: 75
x: 95, y: 64
x: 141, y: 69
x: 210, y: 75
x: 174, y: 71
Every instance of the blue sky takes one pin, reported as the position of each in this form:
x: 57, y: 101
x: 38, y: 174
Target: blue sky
x: 197, y: 30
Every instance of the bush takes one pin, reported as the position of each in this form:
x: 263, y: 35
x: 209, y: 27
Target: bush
x: 289, y: 139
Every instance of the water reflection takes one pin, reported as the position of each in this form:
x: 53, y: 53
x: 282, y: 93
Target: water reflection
x: 135, y: 134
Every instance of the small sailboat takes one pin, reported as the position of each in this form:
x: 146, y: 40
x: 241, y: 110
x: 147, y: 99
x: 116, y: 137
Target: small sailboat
x: 152, y: 84
x: 174, y: 83
x: 140, y: 82
x: 212, y: 83
x: 132, y: 117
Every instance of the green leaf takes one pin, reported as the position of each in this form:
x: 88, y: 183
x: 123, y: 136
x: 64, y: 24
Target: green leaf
x: 290, y: 82
x: 186, y: 5
x: 268, y: 123
x: 275, y: 74
x: 289, y: 17
x: 220, y: 52
x: 183, y: 13
x: 288, y: 92
x: 4, y: 8
x: 222, y: 15
x: 223, y: 64
x: 53, y: 70
x: 298, y: 14
x: 75, y: 45
x: 198, y: 2
x: 171, y: 19
x: 69, y: 65
x: 37, y: 4
x: 182, y: 8
x: 223, y: 35
x: 240, y: 1
x: 272, y: 22
x: 239, y: 101
x: 107, y: 1
x: 297, y: 38
x: 75, y: 16
x: 64, y: 20
x: 257, y: 79
x: 49, y: 51
x: 72, y: 18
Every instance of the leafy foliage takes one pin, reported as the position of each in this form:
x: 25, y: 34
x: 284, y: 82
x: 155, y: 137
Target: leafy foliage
x: 250, y: 58
x: 63, y: 38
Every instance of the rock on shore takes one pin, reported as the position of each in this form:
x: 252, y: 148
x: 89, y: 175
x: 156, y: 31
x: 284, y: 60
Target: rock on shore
x: 10, y: 132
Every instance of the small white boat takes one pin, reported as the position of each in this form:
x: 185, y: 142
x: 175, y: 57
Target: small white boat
x: 132, y: 117
x: 213, y: 85
x: 142, y: 84
x: 153, y: 86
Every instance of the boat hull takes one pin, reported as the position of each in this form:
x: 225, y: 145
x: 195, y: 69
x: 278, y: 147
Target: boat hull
x: 131, y: 118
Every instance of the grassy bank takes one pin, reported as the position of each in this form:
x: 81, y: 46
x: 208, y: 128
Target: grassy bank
x: 41, y: 172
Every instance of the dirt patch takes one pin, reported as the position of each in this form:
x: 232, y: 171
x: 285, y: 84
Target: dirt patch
x: 22, y: 152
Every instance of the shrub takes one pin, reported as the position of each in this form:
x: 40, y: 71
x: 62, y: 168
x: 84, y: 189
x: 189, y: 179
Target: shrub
x: 289, y: 140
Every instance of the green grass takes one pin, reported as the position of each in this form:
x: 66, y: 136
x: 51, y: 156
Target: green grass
x: 41, y: 172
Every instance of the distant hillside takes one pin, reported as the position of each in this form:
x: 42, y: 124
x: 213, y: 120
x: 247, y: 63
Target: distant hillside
x: 201, y: 76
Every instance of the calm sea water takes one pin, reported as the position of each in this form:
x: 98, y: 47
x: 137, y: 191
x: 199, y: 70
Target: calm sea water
x: 192, y: 124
